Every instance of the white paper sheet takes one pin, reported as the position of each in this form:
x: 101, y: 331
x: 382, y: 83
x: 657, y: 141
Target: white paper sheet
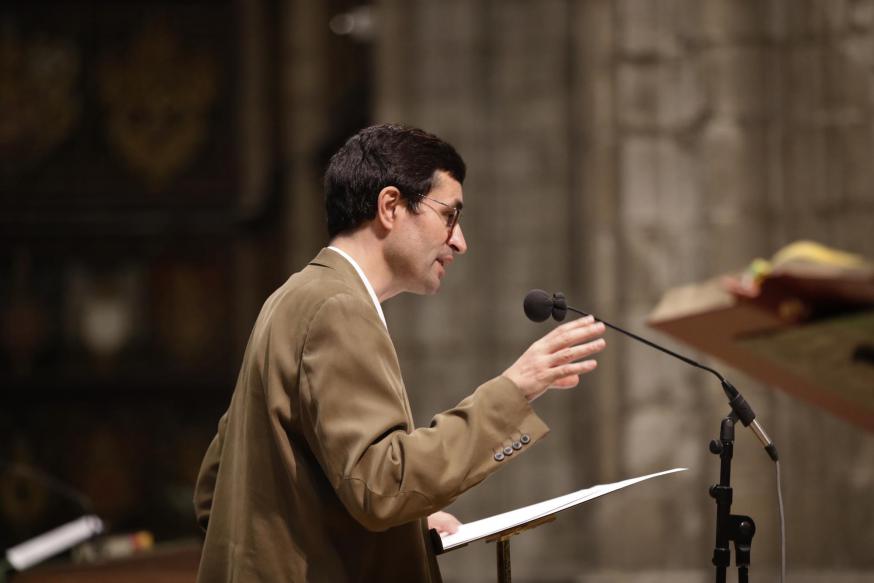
x: 485, y: 527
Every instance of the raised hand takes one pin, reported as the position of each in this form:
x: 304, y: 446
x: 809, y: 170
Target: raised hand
x: 556, y: 360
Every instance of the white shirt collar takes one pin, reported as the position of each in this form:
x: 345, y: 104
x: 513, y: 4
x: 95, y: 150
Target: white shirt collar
x: 363, y: 277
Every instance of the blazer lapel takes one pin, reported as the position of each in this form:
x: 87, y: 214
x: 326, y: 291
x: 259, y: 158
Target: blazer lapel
x: 333, y: 260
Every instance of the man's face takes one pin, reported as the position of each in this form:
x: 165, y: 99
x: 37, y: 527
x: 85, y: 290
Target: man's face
x: 425, y: 244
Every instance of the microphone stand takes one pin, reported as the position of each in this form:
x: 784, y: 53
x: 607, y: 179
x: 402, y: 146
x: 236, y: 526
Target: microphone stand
x: 735, y: 528
x: 729, y: 527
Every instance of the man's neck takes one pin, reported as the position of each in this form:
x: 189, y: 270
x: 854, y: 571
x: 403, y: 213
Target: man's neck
x: 363, y: 247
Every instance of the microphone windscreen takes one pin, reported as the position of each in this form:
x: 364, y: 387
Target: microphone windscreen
x: 559, y: 306
x: 537, y: 305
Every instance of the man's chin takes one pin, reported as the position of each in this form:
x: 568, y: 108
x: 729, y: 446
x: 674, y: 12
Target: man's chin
x: 432, y: 286
x: 432, y: 283
x: 428, y: 289
x: 429, y: 284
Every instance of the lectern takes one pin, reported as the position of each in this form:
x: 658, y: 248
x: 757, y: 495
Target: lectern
x: 500, y: 528
x: 806, y: 328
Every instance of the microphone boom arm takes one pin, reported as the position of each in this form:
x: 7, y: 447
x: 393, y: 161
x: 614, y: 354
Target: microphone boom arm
x: 685, y: 359
x: 738, y: 404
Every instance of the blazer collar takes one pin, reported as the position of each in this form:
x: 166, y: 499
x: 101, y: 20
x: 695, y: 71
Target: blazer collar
x: 333, y: 260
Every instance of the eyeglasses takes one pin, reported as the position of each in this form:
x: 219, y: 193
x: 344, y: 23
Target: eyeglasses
x: 451, y: 219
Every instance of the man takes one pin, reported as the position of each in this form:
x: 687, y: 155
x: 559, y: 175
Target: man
x: 317, y: 473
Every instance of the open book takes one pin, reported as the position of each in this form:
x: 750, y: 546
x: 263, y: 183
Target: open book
x: 529, y: 515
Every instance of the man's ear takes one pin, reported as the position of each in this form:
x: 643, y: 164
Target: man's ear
x: 388, y: 205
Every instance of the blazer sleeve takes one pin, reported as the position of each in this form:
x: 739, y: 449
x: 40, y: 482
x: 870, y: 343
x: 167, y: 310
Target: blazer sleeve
x: 204, y: 489
x: 355, y: 418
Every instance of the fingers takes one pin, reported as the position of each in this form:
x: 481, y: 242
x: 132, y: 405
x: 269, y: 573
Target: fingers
x: 572, y: 379
x: 572, y: 333
x: 443, y: 523
x: 567, y: 375
x: 578, y: 352
x: 569, y: 380
x: 559, y: 358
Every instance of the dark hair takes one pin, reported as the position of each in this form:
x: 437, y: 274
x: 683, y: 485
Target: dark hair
x: 381, y: 156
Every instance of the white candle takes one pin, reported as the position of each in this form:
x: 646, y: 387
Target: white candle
x: 36, y: 550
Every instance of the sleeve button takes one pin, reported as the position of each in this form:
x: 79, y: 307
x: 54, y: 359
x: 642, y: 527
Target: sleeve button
x: 525, y: 439
x: 517, y: 445
x: 508, y: 450
x: 499, y: 456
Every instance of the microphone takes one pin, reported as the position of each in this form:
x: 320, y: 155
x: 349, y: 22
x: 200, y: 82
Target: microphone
x: 540, y: 305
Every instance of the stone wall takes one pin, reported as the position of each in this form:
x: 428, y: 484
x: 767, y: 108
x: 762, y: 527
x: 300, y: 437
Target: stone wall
x: 617, y: 149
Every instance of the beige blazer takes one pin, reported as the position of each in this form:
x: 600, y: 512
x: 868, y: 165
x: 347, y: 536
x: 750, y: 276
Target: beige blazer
x: 317, y: 473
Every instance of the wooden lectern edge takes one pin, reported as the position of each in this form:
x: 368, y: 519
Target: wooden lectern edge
x: 511, y: 532
x: 725, y: 348
x: 504, y: 535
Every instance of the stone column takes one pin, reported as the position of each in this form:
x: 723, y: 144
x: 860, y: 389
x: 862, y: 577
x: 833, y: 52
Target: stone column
x: 617, y: 149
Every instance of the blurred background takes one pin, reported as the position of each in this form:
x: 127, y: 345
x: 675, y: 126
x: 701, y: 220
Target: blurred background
x: 160, y: 175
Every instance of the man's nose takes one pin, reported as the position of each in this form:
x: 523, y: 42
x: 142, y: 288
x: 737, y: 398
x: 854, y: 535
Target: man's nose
x: 456, y: 240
